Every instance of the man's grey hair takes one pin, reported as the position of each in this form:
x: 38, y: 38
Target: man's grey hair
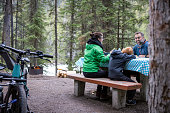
x: 139, y: 33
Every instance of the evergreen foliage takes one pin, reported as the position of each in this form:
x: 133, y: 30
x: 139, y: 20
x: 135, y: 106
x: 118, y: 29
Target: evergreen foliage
x: 36, y: 30
x: 116, y: 19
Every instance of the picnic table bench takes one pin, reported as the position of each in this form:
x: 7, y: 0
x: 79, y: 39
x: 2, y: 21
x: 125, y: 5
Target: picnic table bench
x: 119, y: 88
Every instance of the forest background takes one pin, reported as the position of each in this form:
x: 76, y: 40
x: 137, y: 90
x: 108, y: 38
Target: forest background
x: 61, y: 28
x: 29, y: 24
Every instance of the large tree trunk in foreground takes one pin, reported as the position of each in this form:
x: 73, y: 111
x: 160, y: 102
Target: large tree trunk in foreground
x: 159, y: 76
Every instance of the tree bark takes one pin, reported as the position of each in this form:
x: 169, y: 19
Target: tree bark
x: 123, y: 26
x: 72, y: 35
x: 34, y: 7
x: 56, y: 58
x: 22, y: 27
x: 16, y: 30
x: 83, y: 30
x: 107, y: 25
x: 6, y: 25
x: 94, y: 20
x: 159, y: 75
x: 12, y: 27
x: 118, y: 28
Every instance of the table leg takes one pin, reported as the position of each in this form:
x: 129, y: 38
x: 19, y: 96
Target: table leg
x: 145, y: 85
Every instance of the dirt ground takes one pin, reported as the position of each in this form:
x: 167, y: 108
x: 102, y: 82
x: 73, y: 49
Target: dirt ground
x: 49, y: 94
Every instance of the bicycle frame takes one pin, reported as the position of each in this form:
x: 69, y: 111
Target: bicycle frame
x: 17, y: 68
x: 18, y: 86
x: 8, y: 59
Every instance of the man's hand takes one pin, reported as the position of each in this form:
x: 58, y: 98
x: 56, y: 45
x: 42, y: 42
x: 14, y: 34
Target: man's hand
x: 111, y: 51
x: 141, y: 56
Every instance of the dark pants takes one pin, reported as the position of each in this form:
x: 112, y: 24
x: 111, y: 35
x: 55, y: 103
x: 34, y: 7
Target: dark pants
x: 130, y: 93
x: 128, y: 73
x: 99, y: 74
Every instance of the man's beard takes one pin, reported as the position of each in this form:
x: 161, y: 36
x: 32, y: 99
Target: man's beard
x: 140, y: 42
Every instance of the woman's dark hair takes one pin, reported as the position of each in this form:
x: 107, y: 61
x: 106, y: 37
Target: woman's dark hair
x: 96, y: 35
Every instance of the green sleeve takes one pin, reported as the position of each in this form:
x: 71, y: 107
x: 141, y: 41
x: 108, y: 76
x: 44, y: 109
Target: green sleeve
x: 100, y: 55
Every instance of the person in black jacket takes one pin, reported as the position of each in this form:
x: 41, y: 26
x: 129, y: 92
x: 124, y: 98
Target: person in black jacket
x: 116, y: 66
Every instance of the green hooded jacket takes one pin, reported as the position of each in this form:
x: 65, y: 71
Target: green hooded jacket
x: 93, y: 56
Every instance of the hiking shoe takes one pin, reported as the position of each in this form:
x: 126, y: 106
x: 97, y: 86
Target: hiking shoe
x: 131, y: 102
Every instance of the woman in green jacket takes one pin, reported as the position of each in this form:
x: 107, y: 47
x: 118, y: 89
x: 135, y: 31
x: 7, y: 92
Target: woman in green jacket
x: 93, y: 56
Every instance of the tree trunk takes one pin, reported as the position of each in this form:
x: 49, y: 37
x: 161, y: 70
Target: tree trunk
x: 16, y: 30
x: 35, y: 46
x: 72, y: 35
x: 123, y: 26
x: 107, y: 25
x: 94, y: 20
x: 12, y: 27
x: 34, y: 6
x: 22, y: 27
x: 56, y: 36
x: 159, y: 76
x: 118, y: 27
x: 23, y: 36
x: 83, y: 30
x: 6, y: 25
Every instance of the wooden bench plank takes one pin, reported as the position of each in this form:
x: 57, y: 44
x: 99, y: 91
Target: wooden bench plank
x: 123, y: 85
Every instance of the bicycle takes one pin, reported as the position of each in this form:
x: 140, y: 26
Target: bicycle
x: 15, y: 100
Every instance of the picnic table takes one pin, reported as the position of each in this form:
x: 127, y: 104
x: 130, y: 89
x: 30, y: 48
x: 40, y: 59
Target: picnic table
x: 140, y: 65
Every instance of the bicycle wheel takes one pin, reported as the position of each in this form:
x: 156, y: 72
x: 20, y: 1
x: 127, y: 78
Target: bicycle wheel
x: 16, y: 99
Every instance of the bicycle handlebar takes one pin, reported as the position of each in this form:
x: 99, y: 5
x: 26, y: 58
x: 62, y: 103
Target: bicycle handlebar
x: 8, y: 77
x: 40, y: 54
x: 13, y: 49
x: 49, y: 56
x: 28, y: 52
x: 16, y: 79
